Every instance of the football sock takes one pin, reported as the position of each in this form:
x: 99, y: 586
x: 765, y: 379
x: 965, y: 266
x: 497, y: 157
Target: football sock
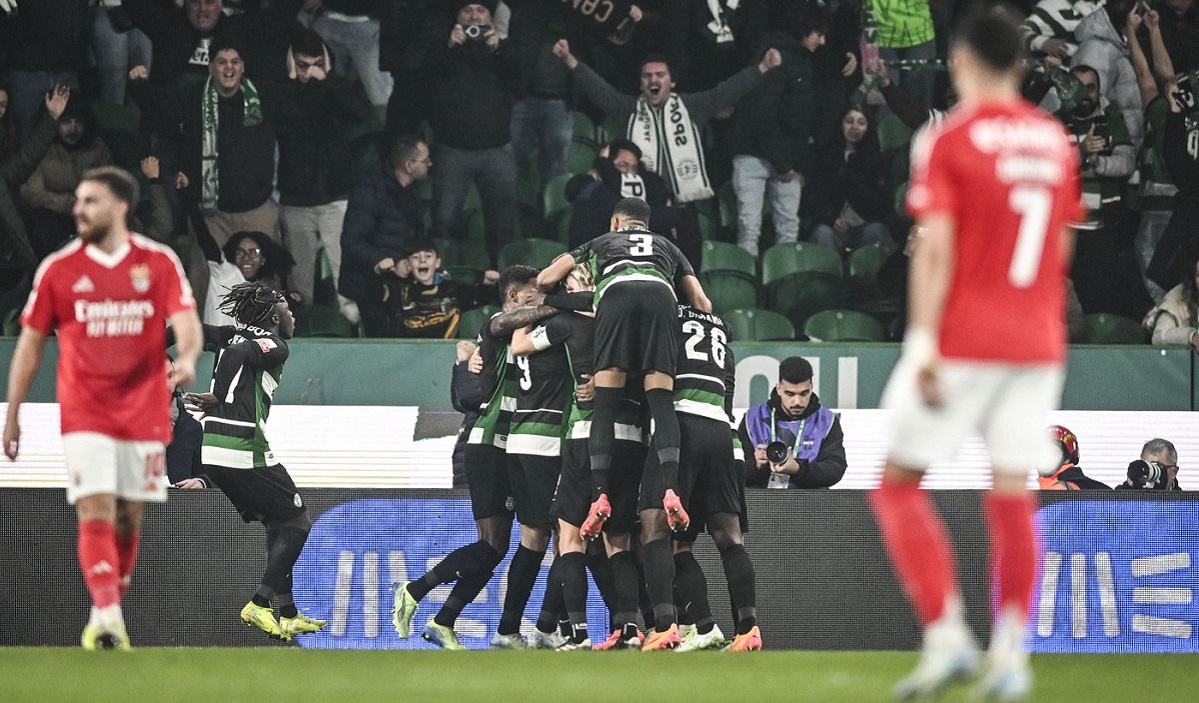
x: 692, y: 588
x: 287, y: 605
x: 601, y: 572
x: 262, y: 597
x: 659, y: 581
x: 461, y: 595
x: 100, y: 562
x: 127, y: 556
x: 625, y: 578
x: 553, y: 603
x: 574, y: 589
x: 740, y: 575
x: 284, y: 553
x: 666, y: 435
x: 603, y: 436
x: 1013, y: 548
x: 465, y: 560
x: 522, y: 572
x: 918, y: 545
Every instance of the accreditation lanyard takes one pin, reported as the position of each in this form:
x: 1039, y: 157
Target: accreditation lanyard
x: 798, y: 434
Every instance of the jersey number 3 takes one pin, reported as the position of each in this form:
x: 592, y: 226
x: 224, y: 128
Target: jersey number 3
x: 1033, y: 205
x: 643, y: 245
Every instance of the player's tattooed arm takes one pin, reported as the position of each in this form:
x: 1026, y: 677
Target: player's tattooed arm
x: 509, y: 321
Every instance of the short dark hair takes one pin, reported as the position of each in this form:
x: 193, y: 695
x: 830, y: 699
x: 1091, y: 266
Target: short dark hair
x: 795, y: 369
x: 1117, y: 11
x: 308, y: 43
x: 1083, y: 68
x: 634, y: 209
x: 122, y: 183
x: 405, y: 146
x: 419, y: 245
x: 621, y: 144
x: 223, y: 42
x: 656, y: 58
x: 515, y: 276
x: 992, y: 36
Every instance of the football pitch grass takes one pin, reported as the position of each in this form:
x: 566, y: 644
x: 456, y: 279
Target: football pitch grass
x: 278, y: 674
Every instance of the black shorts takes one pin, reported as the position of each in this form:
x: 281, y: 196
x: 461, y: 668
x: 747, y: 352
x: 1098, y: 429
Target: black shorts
x: 533, y: 479
x: 258, y: 494
x: 636, y: 328
x: 487, y: 479
x: 709, y: 481
x: 572, y: 500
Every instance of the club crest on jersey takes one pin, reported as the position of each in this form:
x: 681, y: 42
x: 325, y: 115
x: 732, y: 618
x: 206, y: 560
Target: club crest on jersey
x: 139, y: 276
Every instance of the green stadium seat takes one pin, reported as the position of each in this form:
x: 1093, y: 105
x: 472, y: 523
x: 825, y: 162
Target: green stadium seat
x: 472, y: 321
x: 322, y: 321
x: 530, y: 252
x: 468, y: 275
x: 1103, y: 328
x: 709, y: 229
x: 755, y: 325
x: 580, y: 159
x: 893, y: 133
x: 843, y: 326
x: 583, y: 131
x: 553, y: 199
x: 729, y: 290
x: 865, y: 262
x: 722, y: 256
x: 789, y: 258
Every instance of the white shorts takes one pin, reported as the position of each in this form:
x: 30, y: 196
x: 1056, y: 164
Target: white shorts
x: 97, y: 463
x: 1005, y: 404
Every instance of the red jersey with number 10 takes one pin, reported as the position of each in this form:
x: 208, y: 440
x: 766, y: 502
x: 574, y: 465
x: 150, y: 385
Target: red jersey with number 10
x: 110, y: 313
x: 1008, y: 176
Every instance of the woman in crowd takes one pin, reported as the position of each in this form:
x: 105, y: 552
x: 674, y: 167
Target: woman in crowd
x: 854, y: 207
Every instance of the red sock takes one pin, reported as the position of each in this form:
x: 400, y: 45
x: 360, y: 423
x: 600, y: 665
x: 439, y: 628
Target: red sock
x: 917, y: 544
x: 127, y: 555
x: 1013, y: 548
x: 99, y: 561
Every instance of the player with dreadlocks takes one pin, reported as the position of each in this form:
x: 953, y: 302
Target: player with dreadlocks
x: 236, y: 454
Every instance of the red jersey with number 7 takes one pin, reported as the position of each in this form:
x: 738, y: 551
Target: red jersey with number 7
x: 110, y: 312
x: 1007, y: 174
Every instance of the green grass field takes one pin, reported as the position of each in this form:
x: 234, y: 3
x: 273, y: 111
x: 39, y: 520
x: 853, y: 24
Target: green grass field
x: 272, y: 674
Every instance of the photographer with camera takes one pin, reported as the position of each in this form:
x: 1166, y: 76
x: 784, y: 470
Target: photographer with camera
x: 1108, y: 159
x: 791, y: 440
x: 471, y: 116
x: 1157, y: 469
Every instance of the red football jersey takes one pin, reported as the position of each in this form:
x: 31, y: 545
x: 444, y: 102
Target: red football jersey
x: 1008, y: 176
x: 110, y: 313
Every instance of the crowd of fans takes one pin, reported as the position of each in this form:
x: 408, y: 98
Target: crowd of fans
x: 378, y: 131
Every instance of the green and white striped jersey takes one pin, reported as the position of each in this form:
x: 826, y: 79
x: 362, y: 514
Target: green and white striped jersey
x: 247, y: 372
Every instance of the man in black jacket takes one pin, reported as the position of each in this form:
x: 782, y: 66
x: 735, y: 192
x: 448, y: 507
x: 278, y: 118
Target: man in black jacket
x: 471, y: 117
x: 230, y: 128
x: 813, y: 451
x: 382, y: 219
x: 773, y: 136
x: 316, y: 167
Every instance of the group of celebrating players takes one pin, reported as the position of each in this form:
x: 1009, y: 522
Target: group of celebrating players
x: 607, y: 406
x: 582, y: 454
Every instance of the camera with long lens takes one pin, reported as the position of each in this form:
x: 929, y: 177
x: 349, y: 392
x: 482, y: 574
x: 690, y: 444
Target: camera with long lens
x: 1147, y: 474
x: 475, y: 32
x: 777, y: 452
